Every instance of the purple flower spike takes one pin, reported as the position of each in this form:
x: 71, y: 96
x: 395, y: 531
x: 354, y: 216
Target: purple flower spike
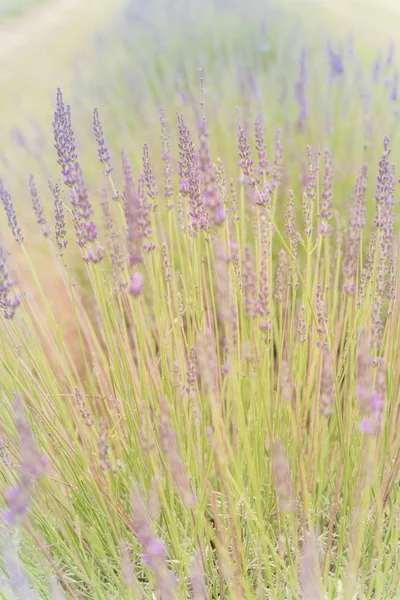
x: 136, y: 284
x: 60, y: 230
x: 149, y: 176
x: 8, y: 301
x: 64, y: 139
x: 10, y: 213
x: 166, y: 157
x: 102, y: 151
x: 38, y: 208
x: 32, y: 467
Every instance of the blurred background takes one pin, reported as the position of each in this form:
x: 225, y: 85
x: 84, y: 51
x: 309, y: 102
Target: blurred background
x: 325, y: 71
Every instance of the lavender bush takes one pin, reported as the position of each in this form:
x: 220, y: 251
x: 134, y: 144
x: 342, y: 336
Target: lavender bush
x: 226, y: 423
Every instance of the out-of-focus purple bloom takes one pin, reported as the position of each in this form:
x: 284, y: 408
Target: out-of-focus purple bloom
x: 263, y: 164
x: 154, y: 555
x: 10, y: 213
x: 371, y: 400
x: 64, y: 139
x: 31, y: 468
x: 131, y: 205
x: 136, y: 284
x: 292, y: 234
x: 366, y: 273
x: 82, y: 211
x: 60, y: 230
x: 320, y: 310
x: 335, y: 62
x: 376, y: 67
x: 102, y: 447
x: 327, y: 397
x: 149, y: 176
x: 197, y: 577
x: 263, y: 303
x: 299, y: 93
x: 246, y: 162
x: 9, y: 301
x: 282, y: 480
x: 38, y: 208
x: 166, y: 157
x: 102, y: 150
x: 282, y: 277
x: 309, y: 571
x: 94, y: 256
x: 326, y: 206
x: 277, y: 169
x: 189, y: 173
x: 85, y: 414
x: 393, y: 92
x: 390, y: 55
x: 301, y: 325
x: 144, y: 219
x: 170, y: 447
x: 210, y: 190
x: 249, y: 287
x: 356, y: 223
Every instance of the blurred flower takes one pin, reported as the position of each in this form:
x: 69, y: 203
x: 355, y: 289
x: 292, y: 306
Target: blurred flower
x: 136, y: 284
x: 102, y: 151
x: 10, y: 213
x: 31, y: 467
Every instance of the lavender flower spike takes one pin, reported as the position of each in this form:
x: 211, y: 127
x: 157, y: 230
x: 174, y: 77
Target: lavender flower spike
x: 32, y: 466
x: 154, y: 556
x: 102, y: 151
x: 38, y: 208
x: 64, y: 139
x: 8, y: 302
x: 10, y: 213
x: 60, y: 230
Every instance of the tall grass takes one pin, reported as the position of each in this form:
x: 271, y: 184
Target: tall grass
x: 220, y: 417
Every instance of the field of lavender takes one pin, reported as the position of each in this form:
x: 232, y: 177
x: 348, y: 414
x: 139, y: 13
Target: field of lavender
x: 200, y: 312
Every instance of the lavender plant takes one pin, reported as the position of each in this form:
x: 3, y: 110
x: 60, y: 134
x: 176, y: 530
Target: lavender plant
x: 226, y: 425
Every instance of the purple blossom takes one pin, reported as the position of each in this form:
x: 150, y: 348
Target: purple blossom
x: 64, y: 139
x: 60, y: 230
x: 166, y: 157
x: 38, y: 208
x: 31, y: 467
x: 189, y: 173
x: 9, y: 301
x: 371, y: 399
x: 85, y: 414
x: 263, y: 164
x: 102, y: 150
x: 326, y: 205
x: 132, y: 212
x: 210, y: 190
x: 277, y: 169
x: 327, y: 397
x: 299, y: 93
x: 102, y: 447
x: 82, y: 211
x: 136, y: 284
x: 154, y: 555
x: 10, y: 213
x: 246, y: 162
x: 149, y: 176
x: 169, y: 446
x: 335, y: 62
x: 282, y: 272
x: 282, y: 480
x: 249, y: 286
x: 356, y: 223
